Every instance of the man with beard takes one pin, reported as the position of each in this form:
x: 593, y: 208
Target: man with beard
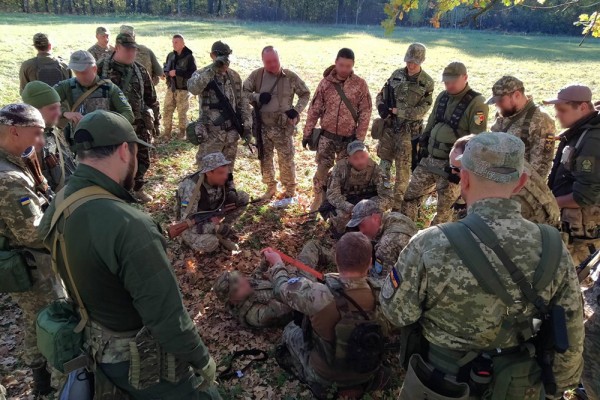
x: 342, y: 104
x: 113, y: 261
x: 518, y: 115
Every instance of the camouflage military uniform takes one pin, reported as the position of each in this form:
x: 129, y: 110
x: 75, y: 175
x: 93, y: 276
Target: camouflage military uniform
x: 441, y: 138
x: 346, y: 180
x: 100, y: 52
x: 591, y: 344
x: 277, y: 128
x: 413, y: 98
x: 337, y: 121
x: 260, y: 309
x: 141, y: 96
x: 20, y: 214
x: 537, y: 201
x: 57, y: 161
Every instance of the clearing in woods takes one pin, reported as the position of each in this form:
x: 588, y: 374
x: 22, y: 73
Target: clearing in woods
x: 544, y: 63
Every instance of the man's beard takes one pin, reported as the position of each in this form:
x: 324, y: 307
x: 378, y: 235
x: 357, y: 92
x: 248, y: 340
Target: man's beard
x: 509, y: 113
x: 129, y: 180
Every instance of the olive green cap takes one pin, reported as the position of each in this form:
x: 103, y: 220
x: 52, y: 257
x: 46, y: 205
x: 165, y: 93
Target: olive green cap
x: 127, y: 29
x: 102, y: 128
x: 102, y: 30
x: 39, y: 94
x: 453, y: 71
x: 126, y: 40
x: 40, y: 40
x: 81, y: 60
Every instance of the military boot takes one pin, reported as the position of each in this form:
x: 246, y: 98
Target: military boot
x: 142, y: 196
x: 228, y: 244
x: 317, y: 201
x: 41, y: 380
x: 270, y: 193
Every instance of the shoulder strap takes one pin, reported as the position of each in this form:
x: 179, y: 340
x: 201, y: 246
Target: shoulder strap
x: 440, y: 110
x: 527, y: 120
x: 342, y: 300
x: 88, y: 92
x: 346, y: 101
x: 552, y: 247
x: 196, y: 194
x: 66, y: 207
x: 259, y: 79
x: 460, y: 109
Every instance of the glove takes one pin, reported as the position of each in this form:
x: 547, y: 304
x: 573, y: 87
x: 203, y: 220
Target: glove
x: 291, y: 113
x: 208, y: 373
x: 383, y: 111
x: 452, y: 178
x: 264, y: 98
x: 222, y: 61
x: 305, y: 142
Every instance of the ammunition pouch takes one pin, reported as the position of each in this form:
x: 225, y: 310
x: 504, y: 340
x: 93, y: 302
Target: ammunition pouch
x: 14, y: 271
x: 581, y: 223
x: 379, y: 125
x: 271, y: 119
x: 424, y: 381
x: 190, y: 133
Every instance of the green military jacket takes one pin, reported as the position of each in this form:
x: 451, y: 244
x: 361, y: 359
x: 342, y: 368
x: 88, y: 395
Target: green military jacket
x: 148, y: 59
x: 29, y: 69
x: 120, y: 267
x: 413, y: 95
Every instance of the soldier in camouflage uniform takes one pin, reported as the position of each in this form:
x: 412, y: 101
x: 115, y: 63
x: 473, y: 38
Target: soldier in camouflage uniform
x: 106, y: 95
x: 208, y: 190
x: 432, y: 286
x: 517, y: 114
x: 44, y: 67
x: 352, y: 180
x: 21, y: 209
x: 340, y: 124
x: 591, y: 344
x: 458, y: 111
x: 102, y: 48
x: 403, y: 115
x: 575, y: 176
x: 133, y: 79
x: 313, y: 355
x: 251, y: 300
x: 271, y: 90
x: 216, y: 133
x: 56, y: 159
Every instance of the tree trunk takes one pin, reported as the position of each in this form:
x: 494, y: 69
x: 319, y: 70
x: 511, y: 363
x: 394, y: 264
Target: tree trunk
x: 211, y: 6
x: 359, y: 4
x: 25, y: 6
x: 339, y: 12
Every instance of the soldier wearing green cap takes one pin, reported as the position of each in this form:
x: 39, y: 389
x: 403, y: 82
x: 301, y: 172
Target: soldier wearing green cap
x: 56, y: 159
x: 251, y: 300
x: 112, y: 247
x: 519, y: 115
x: 102, y: 47
x: 44, y: 66
x: 210, y: 189
x: 133, y: 79
x: 450, y: 287
x: 353, y: 179
x: 21, y: 210
x: 402, y: 104
x: 215, y: 130
x: 458, y: 111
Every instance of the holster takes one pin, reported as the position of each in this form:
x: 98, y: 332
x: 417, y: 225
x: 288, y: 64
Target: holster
x: 422, y: 381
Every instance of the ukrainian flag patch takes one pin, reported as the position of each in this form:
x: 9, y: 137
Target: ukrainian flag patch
x: 25, y: 201
x: 185, y: 203
x: 394, y: 278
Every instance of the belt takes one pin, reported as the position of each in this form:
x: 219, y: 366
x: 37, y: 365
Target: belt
x: 337, y: 138
x: 439, y: 158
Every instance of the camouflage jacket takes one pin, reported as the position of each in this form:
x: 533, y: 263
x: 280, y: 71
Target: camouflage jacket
x: 394, y: 234
x: 413, y: 95
x: 148, y: 59
x: 345, y: 180
x: 430, y: 285
x: 135, y: 83
x: 537, y: 134
x: 55, y: 149
x: 101, y: 52
x: 29, y: 69
x: 231, y: 85
x: 328, y: 106
x: 261, y: 309
x: 20, y: 206
x: 538, y: 204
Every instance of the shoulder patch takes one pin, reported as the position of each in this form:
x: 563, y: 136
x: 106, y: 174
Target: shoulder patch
x: 391, y: 284
x: 479, y: 118
x: 587, y: 165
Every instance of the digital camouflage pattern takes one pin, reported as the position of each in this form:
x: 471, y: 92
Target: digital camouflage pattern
x: 346, y: 180
x: 394, y: 234
x: 591, y: 344
x: 29, y: 68
x: 538, y: 138
x: 100, y: 52
x: 212, y: 161
x: 213, y: 131
x: 538, y: 204
x: 432, y: 286
x: 504, y: 86
x: 180, y: 100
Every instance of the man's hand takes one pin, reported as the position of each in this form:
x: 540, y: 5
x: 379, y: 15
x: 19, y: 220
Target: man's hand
x: 222, y: 64
x: 172, y: 73
x: 305, y: 142
x: 74, y: 117
x: 383, y: 111
x: 291, y: 113
x: 208, y: 373
x: 271, y: 256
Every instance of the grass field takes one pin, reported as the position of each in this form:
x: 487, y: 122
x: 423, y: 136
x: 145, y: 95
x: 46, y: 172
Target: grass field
x: 544, y: 63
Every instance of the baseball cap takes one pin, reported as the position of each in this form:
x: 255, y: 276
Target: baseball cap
x: 127, y: 29
x: 503, y: 86
x: 496, y: 156
x: 40, y: 40
x: 221, y: 49
x: 81, y: 60
x: 126, y: 40
x: 576, y: 92
x: 226, y: 284
x: 101, y: 30
x: 21, y: 115
x: 355, y: 146
x: 213, y: 161
x: 453, y: 71
x: 415, y: 53
x: 102, y: 128
x: 362, y: 210
x: 39, y: 94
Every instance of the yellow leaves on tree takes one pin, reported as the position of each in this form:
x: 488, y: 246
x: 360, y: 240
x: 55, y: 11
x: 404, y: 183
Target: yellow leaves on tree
x: 590, y: 24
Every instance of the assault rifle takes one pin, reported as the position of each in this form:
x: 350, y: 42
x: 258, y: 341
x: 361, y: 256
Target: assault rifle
x: 587, y: 266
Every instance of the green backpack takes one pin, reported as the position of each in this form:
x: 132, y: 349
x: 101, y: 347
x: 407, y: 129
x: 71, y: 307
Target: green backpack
x: 14, y: 272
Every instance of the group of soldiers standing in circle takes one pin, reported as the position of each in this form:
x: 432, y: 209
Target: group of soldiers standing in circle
x: 487, y: 302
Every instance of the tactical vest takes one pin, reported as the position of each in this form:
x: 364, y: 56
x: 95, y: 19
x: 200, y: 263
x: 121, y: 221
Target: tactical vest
x: 524, y: 130
x: 351, y: 185
x: 209, y: 100
x: 284, y: 93
x: 98, y: 100
x: 49, y: 72
x: 131, y: 83
x: 359, y: 344
x: 537, y: 201
x: 443, y: 142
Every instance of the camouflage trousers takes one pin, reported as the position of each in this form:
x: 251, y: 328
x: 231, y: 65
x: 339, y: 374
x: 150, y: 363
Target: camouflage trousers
x: 180, y: 100
x: 328, y: 152
x: 212, y: 139
x: 591, y: 344
x: 316, y: 255
x: 422, y: 183
x: 579, y: 249
x: 394, y: 147
x: 143, y: 155
x: 338, y: 222
x: 280, y: 139
x: 200, y: 242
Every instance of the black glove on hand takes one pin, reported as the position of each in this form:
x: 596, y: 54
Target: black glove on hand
x: 291, y: 113
x: 264, y: 98
x: 383, y: 111
x: 305, y: 142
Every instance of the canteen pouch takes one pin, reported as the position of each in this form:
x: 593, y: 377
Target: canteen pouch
x: 377, y: 128
x: 516, y: 377
x: 55, y: 331
x: 418, y: 383
x: 14, y: 272
x: 572, y: 219
x: 172, y: 369
x: 190, y: 133
x: 313, y: 145
x: 591, y: 221
x: 145, y: 366
x: 411, y: 342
